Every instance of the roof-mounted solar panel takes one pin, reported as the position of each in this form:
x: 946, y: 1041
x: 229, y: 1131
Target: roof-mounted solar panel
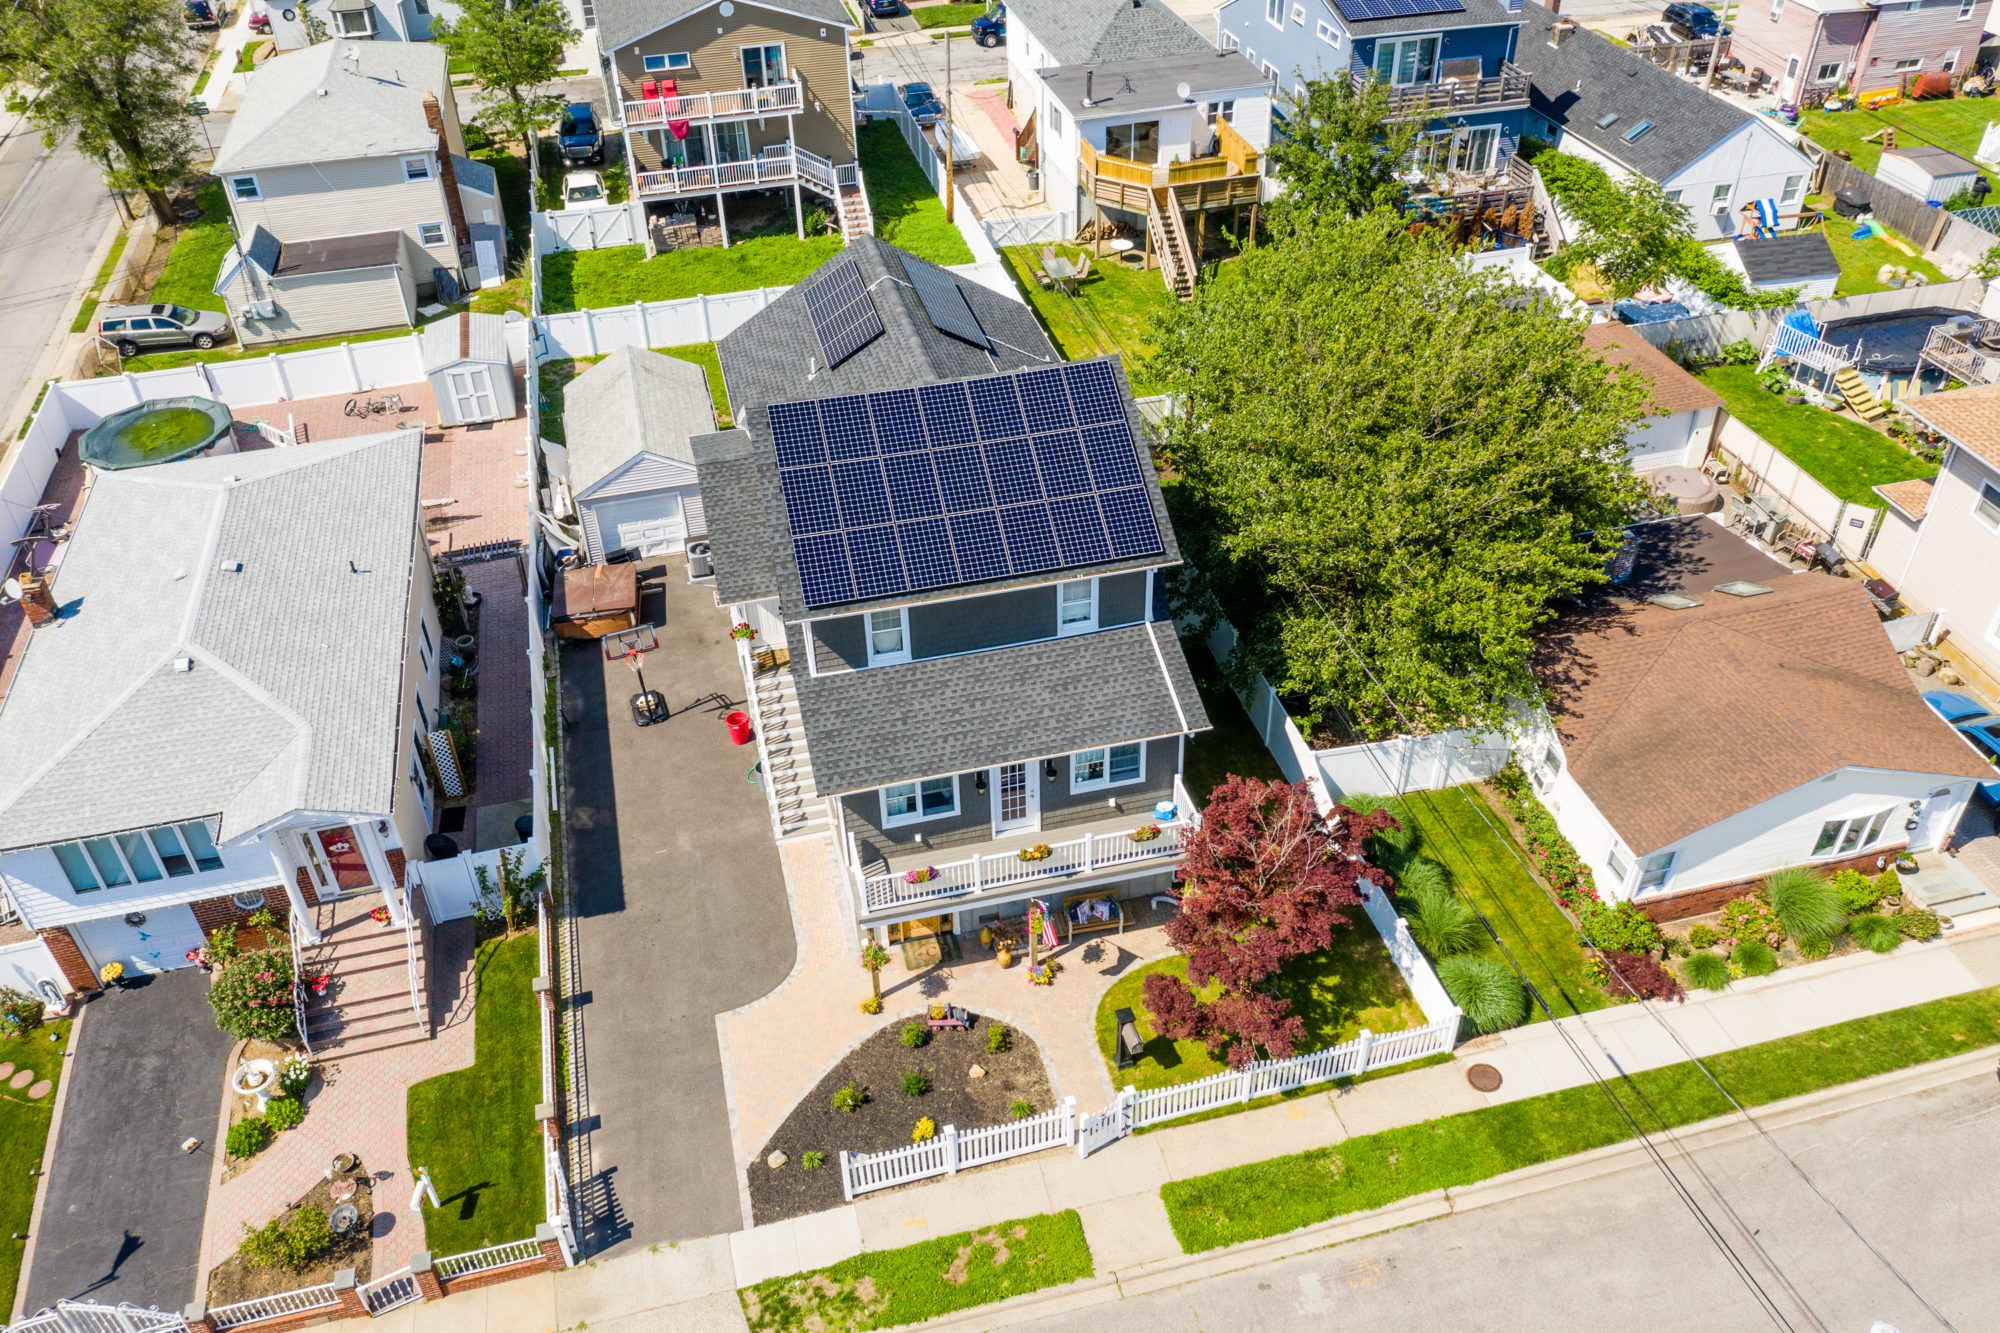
x: 1363, y: 11
x: 945, y: 303
x: 843, y: 314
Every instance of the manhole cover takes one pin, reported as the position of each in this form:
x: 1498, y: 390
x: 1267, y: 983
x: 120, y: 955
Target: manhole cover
x: 1483, y: 1077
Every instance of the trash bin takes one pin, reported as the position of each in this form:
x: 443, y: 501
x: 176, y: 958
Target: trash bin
x: 439, y: 847
x: 700, y: 564
x: 739, y: 728
x: 524, y: 827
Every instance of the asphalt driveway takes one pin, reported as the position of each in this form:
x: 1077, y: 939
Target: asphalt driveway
x: 122, y: 1217
x: 681, y: 915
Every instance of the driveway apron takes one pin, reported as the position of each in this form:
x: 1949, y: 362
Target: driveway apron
x: 681, y: 915
x: 123, y: 1216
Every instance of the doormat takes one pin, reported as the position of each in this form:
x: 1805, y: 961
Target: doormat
x: 930, y: 951
x: 451, y: 819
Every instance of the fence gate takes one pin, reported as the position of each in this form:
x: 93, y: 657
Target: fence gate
x: 91, y: 1317
x: 1108, y: 1126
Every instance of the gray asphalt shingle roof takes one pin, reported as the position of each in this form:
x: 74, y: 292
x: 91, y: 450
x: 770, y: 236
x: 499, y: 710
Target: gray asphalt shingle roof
x: 1077, y: 32
x: 1588, y: 78
x: 620, y: 22
x: 951, y: 714
x: 182, y: 686
x: 1782, y: 260
x: 741, y: 535
x: 373, y: 104
x: 632, y: 402
x: 1143, y: 85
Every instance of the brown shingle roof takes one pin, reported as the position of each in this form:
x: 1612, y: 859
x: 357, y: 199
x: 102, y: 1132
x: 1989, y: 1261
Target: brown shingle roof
x: 1910, y: 497
x: 1971, y: 417
x: 1674, y: 720
x: 1674, y: 390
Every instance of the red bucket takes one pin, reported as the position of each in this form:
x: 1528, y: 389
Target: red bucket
x: 739, y: 728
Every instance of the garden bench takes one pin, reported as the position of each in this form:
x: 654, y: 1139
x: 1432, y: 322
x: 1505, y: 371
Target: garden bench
x: 1080, y: 923
x: 954, y: 1017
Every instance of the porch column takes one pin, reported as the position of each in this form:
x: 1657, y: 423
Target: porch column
x: 288, y: 875
x: 393, y: 894
x: 721, y: 219
x: 799, y: 207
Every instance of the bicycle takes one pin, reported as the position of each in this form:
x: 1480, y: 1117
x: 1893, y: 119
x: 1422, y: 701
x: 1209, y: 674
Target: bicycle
x: 373, y: 407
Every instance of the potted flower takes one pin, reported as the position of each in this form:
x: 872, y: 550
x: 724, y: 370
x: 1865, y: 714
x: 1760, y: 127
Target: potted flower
x: 379, y: 915
x: 742, y: 631
x: 1004, y: 955
x: 1039, y: 852
x: 1145, y: 833
x: 920, y: 875
x: 199, y: 957
x: 111, y: 974
x: 937, y: 1011
x: 1906, y: 863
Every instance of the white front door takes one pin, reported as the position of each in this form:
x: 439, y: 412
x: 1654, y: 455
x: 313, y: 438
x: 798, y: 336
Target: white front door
x: 1017, y: 804
x: 472, y: 392
x: 338, y: 862
x: 155, y: 940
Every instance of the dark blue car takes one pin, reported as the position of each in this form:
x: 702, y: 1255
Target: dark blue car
x: 577, y: 136
x: 922, y: 104
x: 1974, y: 721
x: 990, y: 28
x: 1692, y: 22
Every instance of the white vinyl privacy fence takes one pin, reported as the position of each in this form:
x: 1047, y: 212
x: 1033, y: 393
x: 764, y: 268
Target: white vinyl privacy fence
x: 1775, y: 476
x: 590, y: 228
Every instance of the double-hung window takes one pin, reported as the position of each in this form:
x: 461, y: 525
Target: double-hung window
x: 1846, y: 837
x: 1987, y: 507
x: 142, y: 856
x: 416, y: 168
x: 888, y: 637
x: 1719, y: 197
x: 1618, y: 864
x: 1965, y: 8
x: 1076, y: 606
x: 1654, y: 872
x: 1546, y: 766
x: 1107, y: 766
x: 912, y: 802
x: 430, y: 233
x: 1777, y: 10
x: 1790, y: 194
x: 1274, y: 13
x: 245, y: 189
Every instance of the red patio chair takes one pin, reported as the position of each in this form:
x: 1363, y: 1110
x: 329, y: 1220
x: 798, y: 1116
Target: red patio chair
x: 649, y: 89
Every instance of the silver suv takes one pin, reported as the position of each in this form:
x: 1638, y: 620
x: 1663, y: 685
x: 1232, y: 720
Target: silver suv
x: 133, y: 328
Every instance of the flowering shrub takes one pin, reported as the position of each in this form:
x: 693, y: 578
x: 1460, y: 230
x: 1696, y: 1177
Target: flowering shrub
x: 1617, y: 926
x: 19, y: 1012
x: 1749, y: 919
x: 294, y: 1074
x: 920, y: 875
x: 379, y: 915
x: 926, y: 1128
x: 1145, y: 833
x: 1552, y: 853
x: 252, y: 996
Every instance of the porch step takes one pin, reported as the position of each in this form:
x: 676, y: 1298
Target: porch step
x: 855, y: 217
x: 1855, y: 390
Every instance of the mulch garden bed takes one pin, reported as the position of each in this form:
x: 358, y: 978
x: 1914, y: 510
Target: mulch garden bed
x: 234, y: 1280
x: 885, y: 1120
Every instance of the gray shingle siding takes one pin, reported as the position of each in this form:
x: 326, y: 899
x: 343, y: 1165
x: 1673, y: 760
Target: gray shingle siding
x: 840, y: 643
x: 968, y: 624
x: 1121, y: 599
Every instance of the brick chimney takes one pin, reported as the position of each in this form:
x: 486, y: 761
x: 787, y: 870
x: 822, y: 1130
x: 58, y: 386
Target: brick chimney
x: 38, y: 600
x: 1560, y: 29
x: 447, y: 173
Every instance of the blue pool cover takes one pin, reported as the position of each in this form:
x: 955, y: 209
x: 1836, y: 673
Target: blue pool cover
x: 1650, y: 312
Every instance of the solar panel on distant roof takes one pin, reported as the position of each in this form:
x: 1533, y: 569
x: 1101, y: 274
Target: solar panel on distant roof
x: 1362, y: 11
x: 961, y: 482
x: 843, y: 313
x: 945, y: 303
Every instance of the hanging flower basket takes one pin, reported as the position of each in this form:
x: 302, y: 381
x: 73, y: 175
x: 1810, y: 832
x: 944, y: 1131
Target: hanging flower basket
x: 1145, y: 833
x: 379, y: 915
x: 921, y: 875
x: 742, y: 631
x: 1041, y: 851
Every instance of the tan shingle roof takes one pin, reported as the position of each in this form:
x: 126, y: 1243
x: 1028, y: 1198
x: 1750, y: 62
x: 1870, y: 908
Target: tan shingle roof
x: 1674, y: 390
x: 1971, y: 417
x: 1911, y: 497
x: 1674, y: 720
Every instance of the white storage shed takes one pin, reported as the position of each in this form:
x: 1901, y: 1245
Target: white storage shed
x: 466, y: 362
x: 1932, y: 174
x: 632, y: 479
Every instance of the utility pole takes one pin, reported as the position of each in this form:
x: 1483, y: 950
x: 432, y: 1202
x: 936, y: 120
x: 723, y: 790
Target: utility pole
x: 1715, y: 56
x: 948, y: 154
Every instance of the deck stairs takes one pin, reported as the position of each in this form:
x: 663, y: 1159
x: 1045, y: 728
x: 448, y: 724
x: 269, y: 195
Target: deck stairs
x: 367, y: 1005
x: 1168, y: 224
x: 1854, y: 389
x: 856, y: 219
x: 799, y: 808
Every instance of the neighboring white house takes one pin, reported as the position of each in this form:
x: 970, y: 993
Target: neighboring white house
x: 357, y: 20
x: 353, y: 199
x: 1601, y: 102
x: 1684, y: 408
x: 1939, y: 543
x: 1932, y: 174
x: 1717, y: 717
x: 1801, y: 259
x: 227, y: 708
x: 631, y: 471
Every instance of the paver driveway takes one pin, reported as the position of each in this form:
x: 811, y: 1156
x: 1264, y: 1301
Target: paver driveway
x: 681, y: 915
x: 123, y: 1215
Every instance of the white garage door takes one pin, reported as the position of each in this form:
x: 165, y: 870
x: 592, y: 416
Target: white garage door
x: 153, y: 941
x: 649, y: 524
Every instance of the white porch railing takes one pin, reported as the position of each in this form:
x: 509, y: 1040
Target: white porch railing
x: 789, y: 164
x: 305, y: 1299
x: 96, y: 1317
x: 493, y: 1256
x: 298, y: 984
x: 1803, y: 348
x: 413, y: 902
x: 1087, y: 855
x: 385, y: 1293
x: 778, y: 99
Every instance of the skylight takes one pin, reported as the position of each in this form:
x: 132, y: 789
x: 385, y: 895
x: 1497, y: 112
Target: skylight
x: 1638, y: 130
x: 1674, y: 601
x: 1605, y: 122
x: 1742, y: 588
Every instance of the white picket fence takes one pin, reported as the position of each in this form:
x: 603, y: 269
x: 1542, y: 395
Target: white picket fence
x: 590, y: 228
x: 953, y: 1151
x: 94, y: 1317
x: 493, y: 1256
x: 304, y: 1300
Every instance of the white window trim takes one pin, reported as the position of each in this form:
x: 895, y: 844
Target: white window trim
x: 416, y: 168
x: 784, y: 60
x: 1666, y: 874
x: 236, y: 194
x: 1909, y: 64
x: 1397, y: 42
x: 1079, y: 785
x: 1979, y: 503
x: 1777, y: 10
x: 1229, y: 42
x: 342, y: 17
x: 1279, y: 7
x: 1299, y: 14
x: 1866, y: 817
x: 1820, y: 75
x: 917, y: 815
x: 1794, y: 186
x: 1950, y: 62
x: 1621, y: 874
x: 1085, y: 626
x: 1966, y: 8
x: 670, y: 61
x: 1325, y: 33
x: 424, y: 230
x: 875, y: 659
x: 195, y: 868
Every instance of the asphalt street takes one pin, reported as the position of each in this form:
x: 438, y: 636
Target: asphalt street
x: 1915, y: 1174
x: 53, y: 210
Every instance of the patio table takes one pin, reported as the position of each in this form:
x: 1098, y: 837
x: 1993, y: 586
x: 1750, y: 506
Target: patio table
x: 1061, y: 271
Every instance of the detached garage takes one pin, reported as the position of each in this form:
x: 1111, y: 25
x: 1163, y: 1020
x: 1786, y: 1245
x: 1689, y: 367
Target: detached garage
x: 631, y: 470
x: 1683, y: 409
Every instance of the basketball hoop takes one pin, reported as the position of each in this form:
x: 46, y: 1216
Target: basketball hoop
x: 635, y: 658
x: 630, y: 646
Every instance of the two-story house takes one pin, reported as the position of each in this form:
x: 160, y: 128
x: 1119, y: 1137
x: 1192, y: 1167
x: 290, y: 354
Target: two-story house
x: 223, y: 702
x: 732, y: 109
x: 953, y: 550
x: 1448, y: 63
x: 352, y: 197
x: 1870, y: 46
x: 1599, y: 101
x: 301, y: 23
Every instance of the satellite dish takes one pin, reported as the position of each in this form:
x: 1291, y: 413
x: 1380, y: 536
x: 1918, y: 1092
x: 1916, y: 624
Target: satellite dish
x: 12, y: 587
x: 1182, y: 91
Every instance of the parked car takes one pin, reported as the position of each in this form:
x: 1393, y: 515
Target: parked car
x: 134, y: 328
x: 1691, y: 22
x: 990, y: 28
x: 1978, y: 724
x: 922, y: 103
x: 582, y: 189
x: 577, y: 136
x: 885, y: 9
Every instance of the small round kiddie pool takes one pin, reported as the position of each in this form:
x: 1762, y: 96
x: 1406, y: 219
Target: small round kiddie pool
x: 159, y: 431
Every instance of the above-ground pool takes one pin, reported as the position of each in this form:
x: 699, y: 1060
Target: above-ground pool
x: 1889, y: 342
x: 159, y: 431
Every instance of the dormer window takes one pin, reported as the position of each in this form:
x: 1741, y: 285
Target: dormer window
x: 1076, y: 607
x: 888, y: 637
x: 357, y: 22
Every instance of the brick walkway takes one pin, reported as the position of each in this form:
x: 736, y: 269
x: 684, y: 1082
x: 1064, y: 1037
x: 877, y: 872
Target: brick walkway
x: 358, y: 1104
x: 770, y: 1063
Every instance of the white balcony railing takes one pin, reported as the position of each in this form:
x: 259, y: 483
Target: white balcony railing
x: 777, y: 99
x: 779, y: 166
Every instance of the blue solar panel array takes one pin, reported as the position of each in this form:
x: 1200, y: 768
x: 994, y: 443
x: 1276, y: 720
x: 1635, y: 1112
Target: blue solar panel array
x: 1363, y: 11
x: 842, y: 312
x: 953, y: 483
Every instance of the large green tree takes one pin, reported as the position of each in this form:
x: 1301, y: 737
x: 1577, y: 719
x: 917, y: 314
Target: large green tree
x: 115, y: 72
x: 512, y: 49
x: 1340, y: 150
x: 1390, y: 463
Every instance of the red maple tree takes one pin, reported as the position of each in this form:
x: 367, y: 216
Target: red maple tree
x: 1266, y: 879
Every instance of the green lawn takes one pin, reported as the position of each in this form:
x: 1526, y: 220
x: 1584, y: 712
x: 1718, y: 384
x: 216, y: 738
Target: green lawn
x: 246, y: 60
x: 1484, y: 870
x: 1351, y: 986
x: 89, y: 308
x: 946, y: 15
x: 908, y: 212
x: 888, y: 1288
x: 556, y: 376
x: 1232, y: 745
x: 593, y: 279
x: 1860, y: 261
x: 510, y: 173
x: 475, y: 1128
x: 196, y: 259
x: 1843, y: 455
x: 24, y: 1131
x: 1272, y: 1197
x: 1955, y: 124
x: 207, y: 69
x: 1114, y: 310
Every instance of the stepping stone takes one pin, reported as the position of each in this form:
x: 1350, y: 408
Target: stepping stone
x: 22, y: 1078
x: 40, y: 1089
x: 6, y: 1068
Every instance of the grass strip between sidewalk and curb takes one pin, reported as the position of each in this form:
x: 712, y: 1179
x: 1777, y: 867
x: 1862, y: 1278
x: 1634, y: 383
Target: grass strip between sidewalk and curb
x: 88, y: 310
x: 1272, y: 1197
x: 888, y: 1288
